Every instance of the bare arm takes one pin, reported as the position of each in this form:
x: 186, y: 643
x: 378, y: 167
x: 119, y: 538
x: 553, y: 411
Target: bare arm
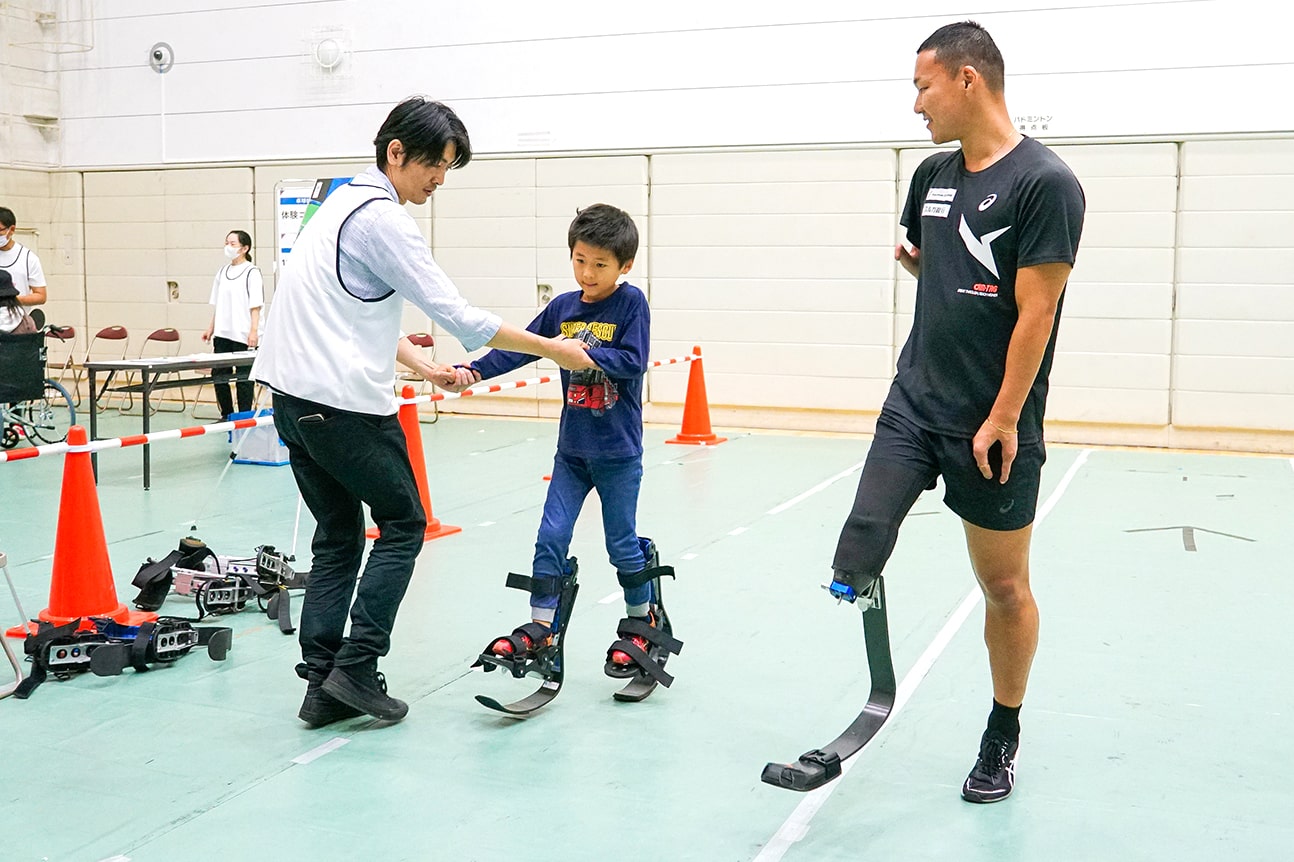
x: 253, y: 332
x: 1037, y: 293
x: 36, y: 297
x: 411, y: 356
x: 909, y: 260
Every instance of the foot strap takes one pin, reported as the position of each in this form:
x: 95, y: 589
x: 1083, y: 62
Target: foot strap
x: 630, y: 628
x: 637, y: 579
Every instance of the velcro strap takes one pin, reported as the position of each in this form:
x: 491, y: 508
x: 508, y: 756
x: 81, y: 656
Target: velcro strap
x: 139, y: 649
x: 533, y: 630
x: 642, y: 661
x: 518, y: 582
x: 637, y: 579
x: 154, y: 581
x: 153, y: 570
x: 279, y: 608
x: 46, y: 632
x: 630, y: 627
x: 31, y: 683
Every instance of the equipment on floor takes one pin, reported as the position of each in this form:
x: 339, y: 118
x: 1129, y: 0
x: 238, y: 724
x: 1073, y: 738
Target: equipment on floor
x: 106, y: 648
x: 221, y: 584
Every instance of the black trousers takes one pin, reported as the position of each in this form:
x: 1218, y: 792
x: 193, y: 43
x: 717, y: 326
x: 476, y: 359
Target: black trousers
x: 341, y: 460
x: 220, y: 380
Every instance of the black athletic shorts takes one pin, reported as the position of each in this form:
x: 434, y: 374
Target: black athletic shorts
x: 983, y: 502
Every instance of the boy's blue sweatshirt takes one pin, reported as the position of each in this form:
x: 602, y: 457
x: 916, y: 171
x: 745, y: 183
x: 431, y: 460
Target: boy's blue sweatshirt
x: 620, y: 327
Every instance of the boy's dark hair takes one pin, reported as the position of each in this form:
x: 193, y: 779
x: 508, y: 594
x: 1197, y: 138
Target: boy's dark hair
x: 605, y: 226
x: 966, y: 43
x: 425, y: 128
x: 7, y: 217
x: 244, y: 238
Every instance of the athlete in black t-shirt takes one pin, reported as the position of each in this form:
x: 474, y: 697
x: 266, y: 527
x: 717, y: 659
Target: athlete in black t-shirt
x: 992, y: 231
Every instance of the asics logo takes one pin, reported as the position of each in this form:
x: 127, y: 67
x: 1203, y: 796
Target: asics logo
x: 980, y: 249
x: 987, y: 202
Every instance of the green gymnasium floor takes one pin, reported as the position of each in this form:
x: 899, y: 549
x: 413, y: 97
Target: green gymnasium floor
x: 1156, y: 727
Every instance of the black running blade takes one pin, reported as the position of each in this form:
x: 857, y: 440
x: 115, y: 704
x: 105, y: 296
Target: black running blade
x: 525, y: 707
x: 637, y: 689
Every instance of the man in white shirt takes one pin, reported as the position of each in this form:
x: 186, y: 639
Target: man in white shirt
x: 328, y: 353
x: 20, y: 262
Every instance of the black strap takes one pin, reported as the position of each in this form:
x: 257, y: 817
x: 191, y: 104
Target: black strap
x: 154, y: 581
x: 32, y: 682
x: 279, y: 608
x: 631, y: 627
x: 642, y: 661
x: 139, y: 648
x: 637, y: 579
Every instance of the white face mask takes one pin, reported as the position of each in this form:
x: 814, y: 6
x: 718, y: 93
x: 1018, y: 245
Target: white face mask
x: 232, y: 251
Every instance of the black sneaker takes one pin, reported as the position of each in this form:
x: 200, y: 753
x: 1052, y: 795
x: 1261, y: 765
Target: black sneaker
x: 993, y: 777
x: 365, y: 691
x: 320, y: 708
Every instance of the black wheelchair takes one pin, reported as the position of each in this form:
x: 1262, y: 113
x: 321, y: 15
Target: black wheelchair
x: 32, y: 406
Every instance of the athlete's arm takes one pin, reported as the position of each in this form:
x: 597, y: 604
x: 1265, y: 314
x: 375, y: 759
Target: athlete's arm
x: 909, y: 260
x: 1037, y: 293
x: 36, y: 297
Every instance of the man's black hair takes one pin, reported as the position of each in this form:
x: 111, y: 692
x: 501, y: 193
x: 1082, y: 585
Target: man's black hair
x: 966, y: 43
x: 605, y: 226
x: 424, y: 128
x: 7, y: 218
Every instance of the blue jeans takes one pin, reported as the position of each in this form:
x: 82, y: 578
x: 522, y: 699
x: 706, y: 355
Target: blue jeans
x: 617, y: 481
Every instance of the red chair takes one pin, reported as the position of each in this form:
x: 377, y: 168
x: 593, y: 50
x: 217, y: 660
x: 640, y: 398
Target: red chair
x: 108, y: 343
x: 159, y: 342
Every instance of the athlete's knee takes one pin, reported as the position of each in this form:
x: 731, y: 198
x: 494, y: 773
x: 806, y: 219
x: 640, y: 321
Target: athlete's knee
x: 1006, y: 589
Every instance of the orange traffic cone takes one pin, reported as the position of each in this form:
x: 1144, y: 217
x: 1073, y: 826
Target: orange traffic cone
x: 696, y: 410
x: 81, y: 585
x: 413, y: 439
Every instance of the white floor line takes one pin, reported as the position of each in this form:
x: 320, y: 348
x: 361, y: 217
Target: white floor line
x: 320, y: 750
x: 738, y: 531
x: 688, y: 557
x: 611, y: 598
x: 797, y: 825
x: 776, y: 510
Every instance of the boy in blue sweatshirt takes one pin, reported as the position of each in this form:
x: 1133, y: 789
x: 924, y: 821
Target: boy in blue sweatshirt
x: 599, y: 438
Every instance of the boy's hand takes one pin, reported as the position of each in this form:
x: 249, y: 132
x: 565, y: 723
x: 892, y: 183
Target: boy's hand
x: 570, y: 353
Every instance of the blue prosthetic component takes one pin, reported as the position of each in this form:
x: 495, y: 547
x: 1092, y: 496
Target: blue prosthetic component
x: 842, y: 592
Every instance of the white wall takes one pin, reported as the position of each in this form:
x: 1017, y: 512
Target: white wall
x: 530, y: 77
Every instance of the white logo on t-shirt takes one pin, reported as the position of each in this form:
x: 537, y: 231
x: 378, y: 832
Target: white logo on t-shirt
x: 987, y: 202
x: 980, y: 249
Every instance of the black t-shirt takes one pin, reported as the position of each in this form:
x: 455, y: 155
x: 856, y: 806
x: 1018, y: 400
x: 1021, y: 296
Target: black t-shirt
x: 974, y: 232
